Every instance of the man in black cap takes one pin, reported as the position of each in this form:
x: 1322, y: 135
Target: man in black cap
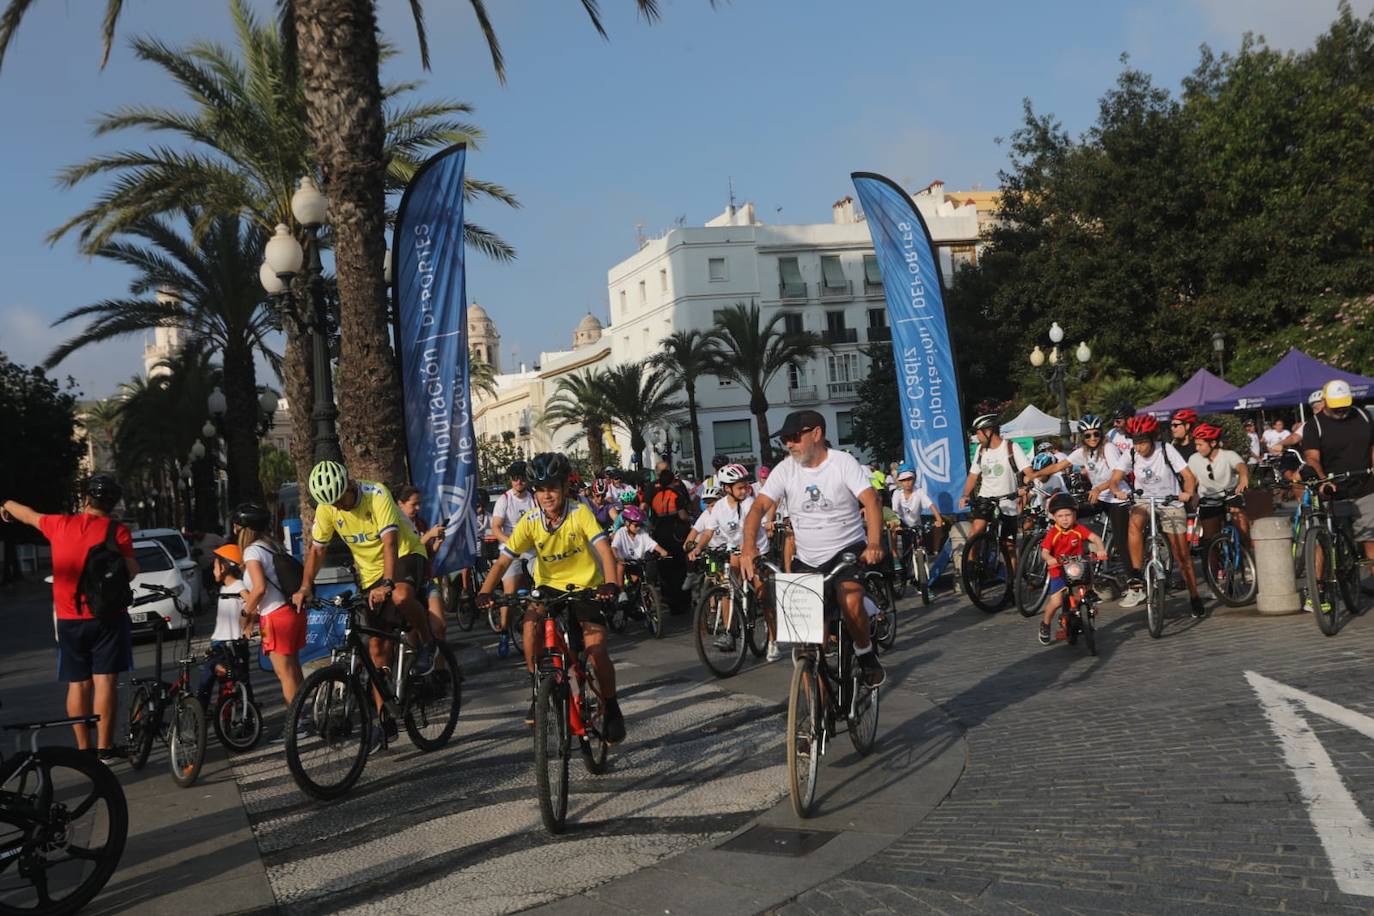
x: 834, y: 510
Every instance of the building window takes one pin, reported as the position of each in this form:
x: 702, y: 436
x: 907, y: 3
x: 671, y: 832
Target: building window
x: 844, y: 427
x: 877, y: 318
x: 716, y: 315
x: 663, y: 281
x: 647, y: 342
x: 715, y: 269
x: 832, y: 275
x: 790, y: 282
x: 733, y: 436
x: 842, y: 370
x: 796, y: 376
x: 836, y: 332
x: 873, y: 278
x: 643, y: 293
x: 791, y: 323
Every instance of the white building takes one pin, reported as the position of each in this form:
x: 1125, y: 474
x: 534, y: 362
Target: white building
x: 823, y: 278
x: 165, y: 343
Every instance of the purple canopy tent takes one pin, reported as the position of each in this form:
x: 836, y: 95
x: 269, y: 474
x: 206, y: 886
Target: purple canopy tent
x: 1202, y: 388
x: 1288, y: 384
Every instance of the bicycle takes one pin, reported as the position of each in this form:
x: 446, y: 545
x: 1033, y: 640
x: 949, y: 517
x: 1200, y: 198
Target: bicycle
x: 643, y: 599
x: 64, y: 822
x: 1331, y: 556
x: 1158, y: 565
x: 1227, y: 564
x: 987, y: 563
x: 914, y: 559
x: 185, y: 734
x: 234, y: 712
x: 329, y: 722
x: 823, y: 692
x: 1032, y: 576
x: 747, y: 628
x: 882, y: 618
x: 1079, y: 610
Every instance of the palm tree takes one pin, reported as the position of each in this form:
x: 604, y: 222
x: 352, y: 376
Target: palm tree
x: 750, y: 353
x: 481, y: 375
x: 686, y: 355
x: 208, y: 289
x: 579, y: 401
x: 637, y: 397
x: 100, y: 420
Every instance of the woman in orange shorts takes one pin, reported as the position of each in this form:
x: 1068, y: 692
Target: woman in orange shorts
x: 282, y: 626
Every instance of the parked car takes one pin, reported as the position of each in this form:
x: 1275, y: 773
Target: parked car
x: 189, y: 565
x: 157, y: 567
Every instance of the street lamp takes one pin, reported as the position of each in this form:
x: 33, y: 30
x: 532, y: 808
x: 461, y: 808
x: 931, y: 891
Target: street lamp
x: 217, y: 403
x: 268, y: 401
x: 208, y: 430
x: 1058, y: 372
x: 1219, y: 348
x: 197, y: 450
x: 283, y: 259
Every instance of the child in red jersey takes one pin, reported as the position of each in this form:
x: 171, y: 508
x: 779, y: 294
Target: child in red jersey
x: 1065, y: 538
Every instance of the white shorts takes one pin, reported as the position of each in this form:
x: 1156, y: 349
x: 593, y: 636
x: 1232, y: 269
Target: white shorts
x: 520, y: 566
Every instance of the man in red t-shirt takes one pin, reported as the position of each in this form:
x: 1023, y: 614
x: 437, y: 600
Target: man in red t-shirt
x: 91, y: 652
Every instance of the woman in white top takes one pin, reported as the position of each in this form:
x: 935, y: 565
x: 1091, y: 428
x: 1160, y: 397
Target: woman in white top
x: 282, y: 626
x: 1105, y: 467
x: 1221, y: 474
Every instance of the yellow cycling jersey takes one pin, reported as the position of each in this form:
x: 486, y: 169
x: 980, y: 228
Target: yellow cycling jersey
x: 362, y: 527
x: 564, y: 557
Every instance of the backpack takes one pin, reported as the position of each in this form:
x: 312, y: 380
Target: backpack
x: 103, y: 590
x: 288, y: 572
x: 1011, y: 460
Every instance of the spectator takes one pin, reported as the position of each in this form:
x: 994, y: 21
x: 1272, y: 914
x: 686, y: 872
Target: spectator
x: 1274, y: 437
x: 1254, y: 446
x: 91, y: 651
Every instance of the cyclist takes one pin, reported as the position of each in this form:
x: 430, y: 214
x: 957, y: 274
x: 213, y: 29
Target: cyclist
x: 834, y: 511
x: 387, y: 554
x: 1160, y: 472
x: 1117, y: 437
x: 1106, y: 470
x: 727, y: 517
x: 231, y: 622
x: 996, y: 471
x: 408, y: 502
x: 1341, y: 439
x: 511, y: 506
x: 632, y: 543
x: 709, y: 495
x: 1045, y: 481
x: 571, y: 553
x: 1180, y: 431
x: 1220, y: 474
x: 909, y: 502
x: 1064, y: 538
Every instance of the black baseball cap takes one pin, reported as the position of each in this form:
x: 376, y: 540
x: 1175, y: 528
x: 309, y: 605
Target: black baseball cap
x: 798, y: 420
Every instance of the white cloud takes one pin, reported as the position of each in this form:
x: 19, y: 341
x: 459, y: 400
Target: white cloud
x: 26, y: 337
x: 1286, y: 24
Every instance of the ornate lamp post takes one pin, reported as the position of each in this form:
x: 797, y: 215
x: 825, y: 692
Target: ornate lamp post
x: 1057, y: 373
x: 1219, y: 348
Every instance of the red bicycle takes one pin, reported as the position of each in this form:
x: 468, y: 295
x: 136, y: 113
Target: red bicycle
x: 1078, y: 613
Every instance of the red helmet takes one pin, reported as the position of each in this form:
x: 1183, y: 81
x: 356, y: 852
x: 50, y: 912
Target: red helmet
x: 1187, y: 415
x: 1207, y: 431
x: 1142, y: 426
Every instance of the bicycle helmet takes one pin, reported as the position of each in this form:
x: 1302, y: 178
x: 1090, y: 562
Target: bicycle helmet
x: 598, y: 487
x: 1089, y: 421
x: 719, y: 461
x: 328, y: 481
x: 1045, y: 448
x: 1187, y: 416
x: 628, y: 497
x: 103, y: 488
x: 518, y: 470
x: 1143, y: 426
x: 1042, y: 461
x: 251, y: 515
x: 905, y: 470
x: 1316, y: 397
x: 230, y: 554
x: 549, y: 467
x: 1124, y: 412
x: 1061, y: 501
x: 1207, y: 432
x: 731, y: 473
x: 711, y: 492
x: 633, y: 515
x: 985, y: 421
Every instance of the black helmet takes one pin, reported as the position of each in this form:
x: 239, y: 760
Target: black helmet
x: 518, y: 469
x: 1062, y: 501
x: 1124, y: 412
x: 251, y: 515
x: 720, y: 461
x: 103, y: 488
x: 549, y: 467
x: 615, y: 474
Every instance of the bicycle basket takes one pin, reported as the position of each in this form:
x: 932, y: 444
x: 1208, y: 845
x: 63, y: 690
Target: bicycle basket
x: 801, y: 607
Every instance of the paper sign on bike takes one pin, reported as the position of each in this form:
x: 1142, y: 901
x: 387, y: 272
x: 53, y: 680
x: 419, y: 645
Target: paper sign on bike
x: 801, y: 607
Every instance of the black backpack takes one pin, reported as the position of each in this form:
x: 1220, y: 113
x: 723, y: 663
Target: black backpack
x: 103, y: 588
x: 288, y: 573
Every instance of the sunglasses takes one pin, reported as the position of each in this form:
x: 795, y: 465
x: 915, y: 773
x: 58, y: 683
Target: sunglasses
x: 1210, y: 475
x: 795, y: 437
x: 1092, y: 435
x: 1177, y: 423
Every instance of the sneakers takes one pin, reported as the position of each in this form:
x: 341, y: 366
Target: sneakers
x: 614, y: 723
x: 424, y: 660
x: 871, y: 670
x: 1134, y: 597
x: 1045, y: 639
x: 725, y: 642
x: 111, y: 755
x: 388, y: 732
x: 774, y: 653
x: 1198, y: 609
x: 503, y: 647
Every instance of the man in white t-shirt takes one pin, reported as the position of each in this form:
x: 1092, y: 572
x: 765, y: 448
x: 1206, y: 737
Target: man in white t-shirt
x: 510, y: 506
x: 1160, y: 473
x: 998, y: 469
x: 834, y: 511
x: 1274, y: 437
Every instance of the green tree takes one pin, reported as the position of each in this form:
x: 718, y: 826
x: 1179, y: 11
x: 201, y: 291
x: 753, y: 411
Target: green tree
x: 878, y: 416
x: 482, y: 377
x: 100, y: 420
x: 686, y: 355
x: 750, y: 352
x: 274, y: 469
x: 636, y: 397
x: 42, y: 454
x: 578, y: 402
x: 494, y: 455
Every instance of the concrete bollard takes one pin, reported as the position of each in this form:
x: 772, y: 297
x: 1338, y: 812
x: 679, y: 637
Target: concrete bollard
x: 1278, y: 593
x: 958, y: 536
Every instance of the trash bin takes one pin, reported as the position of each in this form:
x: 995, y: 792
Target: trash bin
x: 1273, y: 539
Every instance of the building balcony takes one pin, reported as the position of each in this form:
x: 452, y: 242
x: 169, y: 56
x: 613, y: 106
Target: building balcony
x: 846, y: 291
x: 873, y: 289
x: 805, y: 394
x: 792, y: 290
x: 879, y: 334
x: 843, y: 389
x: 840, y: 335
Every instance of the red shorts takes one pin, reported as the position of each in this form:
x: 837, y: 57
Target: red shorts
x: 283, y: 631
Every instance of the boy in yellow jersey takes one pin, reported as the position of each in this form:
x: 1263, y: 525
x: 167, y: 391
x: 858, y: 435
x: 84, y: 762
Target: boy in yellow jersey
x: 572, y: 553
x: 387, y: 554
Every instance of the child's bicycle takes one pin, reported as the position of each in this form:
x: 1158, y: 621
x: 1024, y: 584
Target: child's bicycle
x: 643, y: 599
x: 185, y: 734
x: 236, y: 716
x: 1078, y: 613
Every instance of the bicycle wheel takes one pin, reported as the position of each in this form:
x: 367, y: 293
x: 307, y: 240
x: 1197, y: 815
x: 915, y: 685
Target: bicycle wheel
x: 1349, y: 563
x: 1155, y: 584
x: 237, y: 720
x: 708, y: 626
x: 328, y: 726
x: 756, y: 628
x: 1087, y: 624
x: 186, y: 740
x: 63, y: 824
x: 433, y: 701
x: 803, y: 736
x: 986, y: 568
x: 143, y: 726
x: 1322, y: 590
x: 552, y: 750
x: 594, y: 746
x: 465, y: 603
x: 652, y: 601
x: 922, y: 573
x: 1230, y: 571
x: 494, y: 617
x: 1032, y: 580
x: 863, y: 723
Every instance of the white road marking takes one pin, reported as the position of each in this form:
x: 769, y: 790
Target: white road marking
x: 1345, y: 832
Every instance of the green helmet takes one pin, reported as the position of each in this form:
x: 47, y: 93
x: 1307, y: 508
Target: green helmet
x: 628, y: 496
x: 328, y: 481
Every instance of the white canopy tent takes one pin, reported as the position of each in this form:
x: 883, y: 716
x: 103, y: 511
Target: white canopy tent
x: 1033, y: 423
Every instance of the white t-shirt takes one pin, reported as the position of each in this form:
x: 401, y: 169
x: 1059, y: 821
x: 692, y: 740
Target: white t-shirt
x: 1272, y: 437
x: 228, y: 623
x: 728, y: 521
x: 1155, y: 476
x: 272, y: 598
x: 1099, y: 469
x: 909, y: 508
x: 632, y: 548
x: 1118, y: 440
x: 703, y: 524
x: 996, y: 477
x: 1254, y: 446
x: 510, y: 506
x: 1042, y: 490
x: 823, y: 504
x: 1225, y: 475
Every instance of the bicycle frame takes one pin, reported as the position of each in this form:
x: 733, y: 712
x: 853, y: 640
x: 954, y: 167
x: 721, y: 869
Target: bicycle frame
x: 357, y: 652
x: 559, y: 661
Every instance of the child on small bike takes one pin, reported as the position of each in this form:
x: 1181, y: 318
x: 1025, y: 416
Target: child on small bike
x: 632, y: 543
x: 230, y: 621
x: 1065, y: 538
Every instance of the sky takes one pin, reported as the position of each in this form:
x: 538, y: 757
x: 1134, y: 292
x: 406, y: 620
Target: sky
x: 784, y: 98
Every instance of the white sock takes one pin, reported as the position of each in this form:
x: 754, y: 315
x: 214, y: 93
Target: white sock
x: 864, y: 651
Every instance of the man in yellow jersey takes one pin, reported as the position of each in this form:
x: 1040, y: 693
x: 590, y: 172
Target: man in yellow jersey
x: 388, y: 556
x: 571, y: 553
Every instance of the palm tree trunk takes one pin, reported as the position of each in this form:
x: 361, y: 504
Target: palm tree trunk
x: 241, y: 421
x: 696, y: 430
x: 338, y: 56
x: 596, y: 452
x: 637, y: 446
x: 765, y: 447
x: 300, y: 395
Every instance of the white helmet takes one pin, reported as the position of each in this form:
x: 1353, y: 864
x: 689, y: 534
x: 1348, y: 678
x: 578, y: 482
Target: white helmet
x: 1317, y: 396
x: 711, y: 492
x: 731, y: 473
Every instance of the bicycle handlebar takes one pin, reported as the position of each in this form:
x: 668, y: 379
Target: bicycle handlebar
x: 1338, y: 477
x: 849, y: 562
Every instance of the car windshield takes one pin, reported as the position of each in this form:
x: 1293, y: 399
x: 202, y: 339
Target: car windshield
x: 174, y: 544
x: 152, y: 559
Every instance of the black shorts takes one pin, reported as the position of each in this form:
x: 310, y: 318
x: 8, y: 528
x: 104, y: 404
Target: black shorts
x: 411, y: 569
x: 984, y: 508
x: 853, y: 575
x: 87, y: 647
x: 582, y: 611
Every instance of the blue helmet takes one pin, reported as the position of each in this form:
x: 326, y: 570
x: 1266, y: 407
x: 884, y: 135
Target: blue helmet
x: 1042, y: 461
x: 1089, y: 421
x: 905, y: 468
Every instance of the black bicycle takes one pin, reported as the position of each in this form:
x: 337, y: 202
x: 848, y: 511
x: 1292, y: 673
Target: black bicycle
x: 913, y: 560
x: 1032, y: 576
x: 1332, y: 560
x: 329, y: 723
x: 987, y: 562
x: 63, y: 824
x: 729, y: 622
x: 882, y: 612
x: 234, y: 712
x: 184, y: 734
x: 643, y: 597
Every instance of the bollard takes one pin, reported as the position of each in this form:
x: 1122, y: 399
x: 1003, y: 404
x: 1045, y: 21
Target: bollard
x: 958, y: 536
x: 1273, y: 538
